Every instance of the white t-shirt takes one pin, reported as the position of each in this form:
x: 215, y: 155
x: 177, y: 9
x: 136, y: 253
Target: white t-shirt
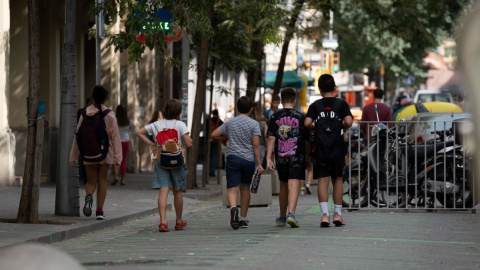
x: 160, y: 125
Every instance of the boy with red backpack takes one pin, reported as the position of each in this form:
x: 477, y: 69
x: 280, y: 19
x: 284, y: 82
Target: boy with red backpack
x: 330, y: 118
x: 170, y: 169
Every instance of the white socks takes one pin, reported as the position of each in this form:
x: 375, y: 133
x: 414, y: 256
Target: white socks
x: 338, y: 208
x: 243, y: 218
x: 324, y: 207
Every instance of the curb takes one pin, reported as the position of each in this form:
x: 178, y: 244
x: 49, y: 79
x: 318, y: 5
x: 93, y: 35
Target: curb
x: 81, y: 230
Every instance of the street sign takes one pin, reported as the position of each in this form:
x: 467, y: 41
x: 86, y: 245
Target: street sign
x: 330, y: 43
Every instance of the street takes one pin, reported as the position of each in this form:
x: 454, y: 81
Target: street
x: 372, y: 239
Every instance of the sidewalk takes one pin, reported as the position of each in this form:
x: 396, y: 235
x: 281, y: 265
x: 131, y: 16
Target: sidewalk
x: 134, y: 200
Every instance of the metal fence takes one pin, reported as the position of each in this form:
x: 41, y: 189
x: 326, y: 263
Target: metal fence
x: 409, y: 165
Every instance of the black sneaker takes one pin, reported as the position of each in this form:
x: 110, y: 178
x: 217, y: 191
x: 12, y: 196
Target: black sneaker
x: 243, y: 223
x: 87, y: 209
x: 100, y: 215
x: 234, y: 218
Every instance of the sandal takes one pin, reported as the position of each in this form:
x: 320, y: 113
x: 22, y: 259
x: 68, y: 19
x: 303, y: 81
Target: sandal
x: 180, y: 225
x: 122, y: 183
x: 114, y: 182
x: 163, y: 227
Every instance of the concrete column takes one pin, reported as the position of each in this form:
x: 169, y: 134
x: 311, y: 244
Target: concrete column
x: 7, y: 139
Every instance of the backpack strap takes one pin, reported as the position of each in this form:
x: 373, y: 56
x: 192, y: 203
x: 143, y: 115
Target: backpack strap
x: 336, y: 105
x: 104, y: 113
x: 319, y: 107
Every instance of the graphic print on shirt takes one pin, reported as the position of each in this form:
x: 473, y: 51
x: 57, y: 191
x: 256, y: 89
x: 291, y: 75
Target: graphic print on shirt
x: 287, y: 133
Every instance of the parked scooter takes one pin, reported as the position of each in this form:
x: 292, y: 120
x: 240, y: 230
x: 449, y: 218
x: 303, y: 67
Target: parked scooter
x: 440, y: 174
x: 365, y: 176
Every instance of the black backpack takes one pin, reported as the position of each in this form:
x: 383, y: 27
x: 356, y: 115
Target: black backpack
x: 328, y: 135
x: 92, y: 137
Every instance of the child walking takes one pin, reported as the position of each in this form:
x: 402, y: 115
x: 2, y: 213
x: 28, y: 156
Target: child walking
x: 244, y: 136
x: 287, y: 133
x: 97, y: 171
x: 329, y: 159
x: 163, y: 179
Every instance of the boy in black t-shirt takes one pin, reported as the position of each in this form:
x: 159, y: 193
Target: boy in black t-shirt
x: 287, y: 133
x: 334, y: 167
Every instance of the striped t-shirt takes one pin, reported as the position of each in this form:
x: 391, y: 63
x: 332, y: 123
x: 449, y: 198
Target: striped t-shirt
x: 240, y: 131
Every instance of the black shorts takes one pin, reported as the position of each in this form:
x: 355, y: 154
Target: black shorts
x: 290, y: 171
x: 333, y: 169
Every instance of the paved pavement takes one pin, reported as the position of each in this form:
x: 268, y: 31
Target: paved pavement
x: 134, y: 200
x: 129, y: 239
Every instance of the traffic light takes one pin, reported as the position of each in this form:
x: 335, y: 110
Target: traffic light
x: 335, y: 61
x: 325, y: 61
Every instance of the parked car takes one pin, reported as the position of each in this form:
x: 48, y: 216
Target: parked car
x: 427, y: 95
x: 421, y: 126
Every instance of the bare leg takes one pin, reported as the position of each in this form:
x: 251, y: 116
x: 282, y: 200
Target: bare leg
x: 283, y: 198
x: 116, y: 169
x: 323, y: 189
x: 244, y: 200
x: 102, y: 184
x: 178, y: 203
x: 293, y: 185
x: 162, y: 204
x: 338, y: 191
x: 232, y: 194
x: 92, y: 178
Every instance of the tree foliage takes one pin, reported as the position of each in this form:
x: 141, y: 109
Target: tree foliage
x: 395, y: 32
x: 139, y: 16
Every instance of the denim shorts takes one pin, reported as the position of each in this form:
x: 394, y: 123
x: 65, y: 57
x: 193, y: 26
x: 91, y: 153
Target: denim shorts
x: 239, y: 171
x: 175, y: 178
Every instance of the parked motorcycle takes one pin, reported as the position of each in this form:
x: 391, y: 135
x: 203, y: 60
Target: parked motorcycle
x: 364, y: 176
x: 440, y: 173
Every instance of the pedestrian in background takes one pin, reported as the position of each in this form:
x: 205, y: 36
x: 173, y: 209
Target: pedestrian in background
x: 329, y: 160
x: 213, y: 123
x: 287, y: 134
x: 124, y: 127
x: 97, y: 171
x: 230, y: 113
x: 244, y: 135
x: 369, y: 114
x: 258, y: 116
x: 156, y: 115
x: 274, y: 108
x: 163, y: 179
x: 81, y: 168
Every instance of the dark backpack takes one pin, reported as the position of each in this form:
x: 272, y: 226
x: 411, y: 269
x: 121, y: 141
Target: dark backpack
x: 328, y: 134
x: 92, y: 137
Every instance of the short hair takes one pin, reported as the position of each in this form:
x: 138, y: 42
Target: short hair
x: 172, y: 109
x: 215, y: 112
x: 275, y: 98
x: 244, y: 104
x: 326, y: 83
x: 288, y: 95
x: 378, y: 93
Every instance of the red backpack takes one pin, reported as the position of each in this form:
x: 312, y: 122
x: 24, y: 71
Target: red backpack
x: 92, y: 137
x: 170, y: 154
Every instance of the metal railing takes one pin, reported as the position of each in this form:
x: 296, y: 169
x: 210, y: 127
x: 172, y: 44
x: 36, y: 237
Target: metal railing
x: 409, y: 165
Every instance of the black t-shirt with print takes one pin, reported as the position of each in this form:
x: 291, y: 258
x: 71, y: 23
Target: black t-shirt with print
x: 287, y: 126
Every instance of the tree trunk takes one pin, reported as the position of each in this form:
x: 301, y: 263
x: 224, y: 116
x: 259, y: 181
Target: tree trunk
x: 67, y: 194
x: 209, y: 146
x: 288, y: 37
x: 28, y: 208
x: 202, y: 66
x: 253, y: 74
